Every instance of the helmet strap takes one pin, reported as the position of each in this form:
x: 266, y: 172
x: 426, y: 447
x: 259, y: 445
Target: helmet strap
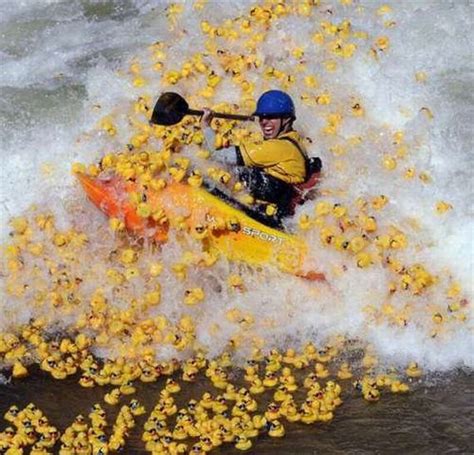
x: 284, y: 125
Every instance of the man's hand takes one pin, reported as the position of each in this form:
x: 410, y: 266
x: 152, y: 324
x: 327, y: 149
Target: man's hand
x: 206, y: 117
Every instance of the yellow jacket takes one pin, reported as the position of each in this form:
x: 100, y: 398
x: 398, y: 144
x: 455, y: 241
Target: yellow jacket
x: 278, y: 157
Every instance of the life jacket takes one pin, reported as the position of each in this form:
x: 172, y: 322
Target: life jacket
x: 313, y: 172
x: 276, y: 157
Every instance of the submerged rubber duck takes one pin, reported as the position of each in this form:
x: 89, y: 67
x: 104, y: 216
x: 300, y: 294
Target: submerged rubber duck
x: 344, y: 371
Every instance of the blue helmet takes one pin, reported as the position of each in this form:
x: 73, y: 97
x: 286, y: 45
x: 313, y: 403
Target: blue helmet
x: 275, y: 103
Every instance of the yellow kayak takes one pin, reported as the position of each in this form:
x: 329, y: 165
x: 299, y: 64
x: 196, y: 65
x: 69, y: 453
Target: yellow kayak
x: 218, y: 225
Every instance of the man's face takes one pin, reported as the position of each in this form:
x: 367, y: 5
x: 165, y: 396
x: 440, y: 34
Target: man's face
x: 270, y: 127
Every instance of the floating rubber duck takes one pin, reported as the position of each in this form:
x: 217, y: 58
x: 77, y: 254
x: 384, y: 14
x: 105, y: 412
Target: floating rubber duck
x: 19, y: 370
x: 79, y: 424
x: 127, y: 388
x: 112, y: 397
x: 136, y: 408
x: 371, y: 394
x: 308, y: 416
x: 219, y: 379
x: 11, y: 414
x: 87, y: 381
x: 413, y: 370
x: 172, y: 386
x: 270, y: 380
x: 251, y: 373
x: 276, y: 430
x: 288, y: 380
x: 399, y: 387
x: 242, y: 442
x: 321, y: 371
x: 256, y: 386
x: 282, y: 394
x: 206, y: 401
x: 230, y: 393
x: 272, y: 412
x: 310, y: 381
x: 290, y: 411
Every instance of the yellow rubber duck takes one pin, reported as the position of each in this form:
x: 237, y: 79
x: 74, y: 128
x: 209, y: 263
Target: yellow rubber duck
x: 195, y: 179
x: 206, y: 401
x: 282, y: 394
x: 148, y: 374
x: 251, y: 373
x: 38, y: 450
x: 136, y: 408
x: 270, y: 380
x: 239, y: 409
x: 272, y: 412
x: 194, y: 296
x: 242, y: 442
x: 321, y: 371
x: 276, y: 430
x: 127, y: 388
x: 19, y: 370
x: 179, y: 433
x: 371, y: 394
x: 308, y: 416
x: 310, y: 381
x: 220, y: 405
x: 399, y: 387
x: 172, y: 386
x: 290, y: 411
x: 79, y: 424
x: 113, y: 397
x: 230, y: 393
x: 288, y: 380
x: 87, y: 381
x: 257, y: 386
x: 413, y: 370
x: 344, y: 371
x: 11, y: 414
x: 169, y: 406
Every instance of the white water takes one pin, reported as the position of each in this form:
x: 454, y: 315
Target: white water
x: 60, y: 59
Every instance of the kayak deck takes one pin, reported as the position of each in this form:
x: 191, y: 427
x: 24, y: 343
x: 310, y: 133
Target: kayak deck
x: 218, y: 225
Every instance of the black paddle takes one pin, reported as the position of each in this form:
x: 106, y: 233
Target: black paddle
x: 171, y: 108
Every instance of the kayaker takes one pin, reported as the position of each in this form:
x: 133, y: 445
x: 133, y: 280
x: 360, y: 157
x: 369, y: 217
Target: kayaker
x: 270, y: 168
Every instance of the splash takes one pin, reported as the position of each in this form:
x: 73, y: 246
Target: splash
x: 386, y: 229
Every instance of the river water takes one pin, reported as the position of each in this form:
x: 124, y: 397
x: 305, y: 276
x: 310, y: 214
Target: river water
x: 66, y: 65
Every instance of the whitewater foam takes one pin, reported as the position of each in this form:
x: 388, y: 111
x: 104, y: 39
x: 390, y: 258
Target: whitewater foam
x: 80, y: 48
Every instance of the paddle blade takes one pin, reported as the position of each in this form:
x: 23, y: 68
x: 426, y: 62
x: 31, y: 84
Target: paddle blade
x: 169, y: 109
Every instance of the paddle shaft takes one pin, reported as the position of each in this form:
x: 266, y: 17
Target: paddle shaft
x: 221, y: 115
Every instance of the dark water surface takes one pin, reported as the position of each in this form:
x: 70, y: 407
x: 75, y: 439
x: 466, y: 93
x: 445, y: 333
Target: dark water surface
x: 435, y: 419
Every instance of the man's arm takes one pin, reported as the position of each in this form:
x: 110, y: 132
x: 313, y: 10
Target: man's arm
x: 228, y: 155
